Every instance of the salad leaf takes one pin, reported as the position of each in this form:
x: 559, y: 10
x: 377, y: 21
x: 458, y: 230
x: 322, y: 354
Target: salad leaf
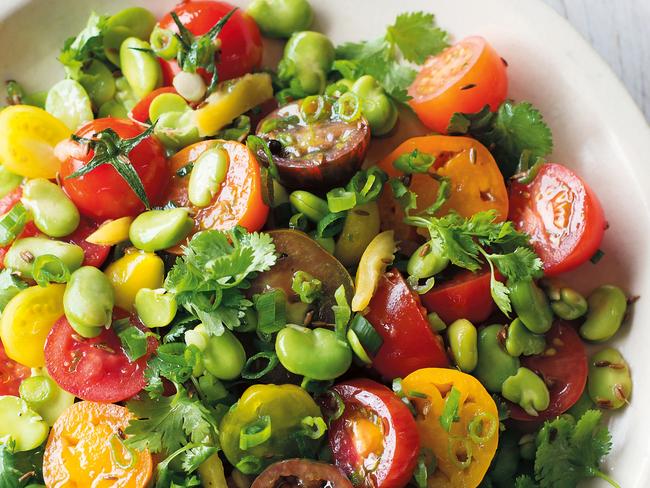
x: 417, y: 36
x: 87, y: 45
x: 10, y: 286
x: 18, y: 469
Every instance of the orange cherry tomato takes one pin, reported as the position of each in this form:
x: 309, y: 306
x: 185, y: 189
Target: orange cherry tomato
x: 463, y: 78
x: 86, y: 448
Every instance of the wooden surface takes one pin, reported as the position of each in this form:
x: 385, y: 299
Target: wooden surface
x: 620, y: 31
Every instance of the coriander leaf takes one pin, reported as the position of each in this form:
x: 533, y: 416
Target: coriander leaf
x: 170, y: 361
x: 9, y: 474
x: 195, y: 456
x: 417, y: 36
x: 521, y: 264
x: 525, y: 482
x: 449, y: 413
x: 18, y: 469
x: 78, y: 51
x: 10, y: 285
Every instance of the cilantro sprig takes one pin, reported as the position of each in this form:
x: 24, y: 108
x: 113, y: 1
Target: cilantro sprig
x: 80, y: 50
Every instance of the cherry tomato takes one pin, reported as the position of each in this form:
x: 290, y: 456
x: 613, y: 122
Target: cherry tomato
x: 11, y: 374
x: 376, y: 439
x: 7, y: 203
x: 241, y: 42
x: 306, y: 473
x: 561, y: 214
x: 103, y: 194
x: 465, y: 296
x: 94, y: 254
x: 94, y: 369
x: 141, y: 110
x: 563, y: 366
x: 463, y: 78
x: 409, y: 343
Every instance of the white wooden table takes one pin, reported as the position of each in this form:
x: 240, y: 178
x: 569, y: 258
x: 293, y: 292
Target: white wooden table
x: 620, y: 31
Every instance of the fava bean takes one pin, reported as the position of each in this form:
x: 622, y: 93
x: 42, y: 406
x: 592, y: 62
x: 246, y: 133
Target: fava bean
x: 8, y: 181
x: 21, y: 423
x: 527, y: 390
x: 132, y: 272
x: 124, y: 93
x: 69, y: 102
x: 45, y: 397
x: 164, y: 43
x: 566, y: 303
x: 98, y: 82
x: 156, y: 230
x: 326, y: 243
x: 308, y: 204
x: 429, y: 259
x: 23, y: 252
x: 281, y: 18
x: 190, y: 86
x: 207, y: 176
x: 176, y: 129
x: 607, y: 307
x: 519, y: 340
x: 223, y: 355
x: 308, y: 58
x: 463, y: 343
x: 114, y: 109
x: 360, y: 228
x: 166, y: 102
x: 609, y: 382
x: 53, y: 212
x: 494, y: 364
x: 376, y: 105
x: 155, y: 308
x: 140, y: 68
x: 88, y: 301
x: 314, y: 353
x: 531, y: 305
x: 130, y: 22
x: 377, y: 256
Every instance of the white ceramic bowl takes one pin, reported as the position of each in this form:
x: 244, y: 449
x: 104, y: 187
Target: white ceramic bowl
x: 597, y: 129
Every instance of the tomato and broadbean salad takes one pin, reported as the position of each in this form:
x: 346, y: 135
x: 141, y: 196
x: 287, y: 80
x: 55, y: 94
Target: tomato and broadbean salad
x: 222, y: 273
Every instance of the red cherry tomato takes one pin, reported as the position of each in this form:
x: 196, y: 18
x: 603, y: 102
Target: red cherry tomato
x: 11, y: 374
x: 463, y: 78
x: 141, y: 110
x: 561, y: 214
x: 94, y: 254
x: 376, y: 439
x: 465, y: 296
x: 103, y: 194
x: 7, y: 203
x: 563, y: 366
x: 95, y: 369
x: 241, y: 42
x: 409, y: 343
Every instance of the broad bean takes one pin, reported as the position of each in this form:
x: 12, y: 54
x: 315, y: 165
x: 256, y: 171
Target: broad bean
x: 130, y: 22
x: 609, y: 382
x: 207, y: 176
x: 427, y: 260
x: 376, y: 105
x: 98, y: 82
x: 114, y: 109
x: 463, y: 343
x: 223, y: 355
x: 53, y: 212
x: 45, y: 397
x: 360, y: 228
x: 377, y: 256
x: 494, y: 364
x: 308, y: 204
x: 88, y: 301
x: 155, y: 308
x: 23, y: 252
x: 281, y: 18
x: 307, y: 60
x: 531, y: 305
x: 132, y: 272
x: 140, y: 68
x: 566, y: 303
x: 527, y: 390
x: 177, y: 129
x: 156, y: 230
x: 69, y: 102
x: 607, y: 307
x: 190, y: 86
x: 21, y: 423
x: 166, y: 102
x: 519, y: 340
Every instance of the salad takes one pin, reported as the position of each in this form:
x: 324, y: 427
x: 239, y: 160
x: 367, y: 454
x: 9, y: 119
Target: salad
x: 222, y: 273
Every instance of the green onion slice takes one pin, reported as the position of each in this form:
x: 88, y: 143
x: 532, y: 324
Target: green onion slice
x: 255, y: 433
x: 482, y: 428
x: 249, y: 373
x: 340, y: 200
x: 368, y: 336
x: 348, y: 107
x: 12, y: 223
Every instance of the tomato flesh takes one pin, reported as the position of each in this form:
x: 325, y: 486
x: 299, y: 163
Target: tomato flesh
x: 376, y: 438
x: 11, y: 374
x: 94, y: 369
x: 94, y: 254
x: 409, y: 343
x: 561, y: 214
x: 6, y: 204
x: 141, y: 110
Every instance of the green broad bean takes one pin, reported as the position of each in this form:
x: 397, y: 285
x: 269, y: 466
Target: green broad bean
x: 190, y: 86
x: 164, y: 43
x: 21, y: 423
x: 607, y: 307
x: 140, y: 68
x: 326, y: 243
x: 308, y: 204
x: 131, y: 22
x: 566, y: 303
x: 114, y: 109
x: 88, y: 301
x: 519, y: 340
x: 494, y: 364
x: 359, y: 229
x: 124, y: 93
x: 429, y: 259
x: 166, y: 102
x: 531, y: 305
x: 527, y: 390
x: 307, y: 60
x: 223, y: 356
x: 207, y: 176
x: 69, y: 102
x: 376, y: 105
x: 45, y: 397
x: 156, y: 230
x: 54, y: 213
x: 8, y: 181
x: 317, y: 354
x: 99, y: 82
x: 177, y: 129
x: 463, y: 343
x: 23, y: 252
x: 155, y: 308
x: 281, y: 18
x: 609, y: 382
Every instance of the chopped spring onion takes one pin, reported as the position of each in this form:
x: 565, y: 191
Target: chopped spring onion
x: 313, y: 427
x: 335, y: 405
x: 12, y: 223
x: 478, y: 432
x: 342, y: 313
x: 313, y: 108
x: 48, y: 268
x: 331, y: 224
x: 306, y: 286
x: 460, y: 452
x: 435, y: 322
x: 249, y: 373
x: 298, y: 221
x: 357, y: 348
x: 125, y: 458
x: 368, y: 336
x: 271, y: 309
x: 255, y: 433
x: 340, y: 200
x: 250, y: 465
x: 450, y: 410
x: 348, y: 107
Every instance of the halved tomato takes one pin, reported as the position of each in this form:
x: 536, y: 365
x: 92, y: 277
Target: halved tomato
x: 6, y: 204
x: 11, y: 374
x: 94, y: 254
x: 140, y: 112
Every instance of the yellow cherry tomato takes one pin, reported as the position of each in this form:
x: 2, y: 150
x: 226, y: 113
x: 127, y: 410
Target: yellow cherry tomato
x: 111, y: 232
x: 28, y: 136
x: 132, y: 272
x: 464, y: 452
x: 26, y: 321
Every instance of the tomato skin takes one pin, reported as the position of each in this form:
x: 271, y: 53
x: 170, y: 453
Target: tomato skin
x: 94, y: 254
x: 241, y: 41
x: 463, y: 78
x: 565, y: 372
x: 91, y: 372
x: 561, y: 214
x: 11, y: 374
x: 401, y: 441
x: 140, y: 112
x: 466, y: 296
x: 103, y: 194
x: 7, y: 203
x: 409, y: 343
